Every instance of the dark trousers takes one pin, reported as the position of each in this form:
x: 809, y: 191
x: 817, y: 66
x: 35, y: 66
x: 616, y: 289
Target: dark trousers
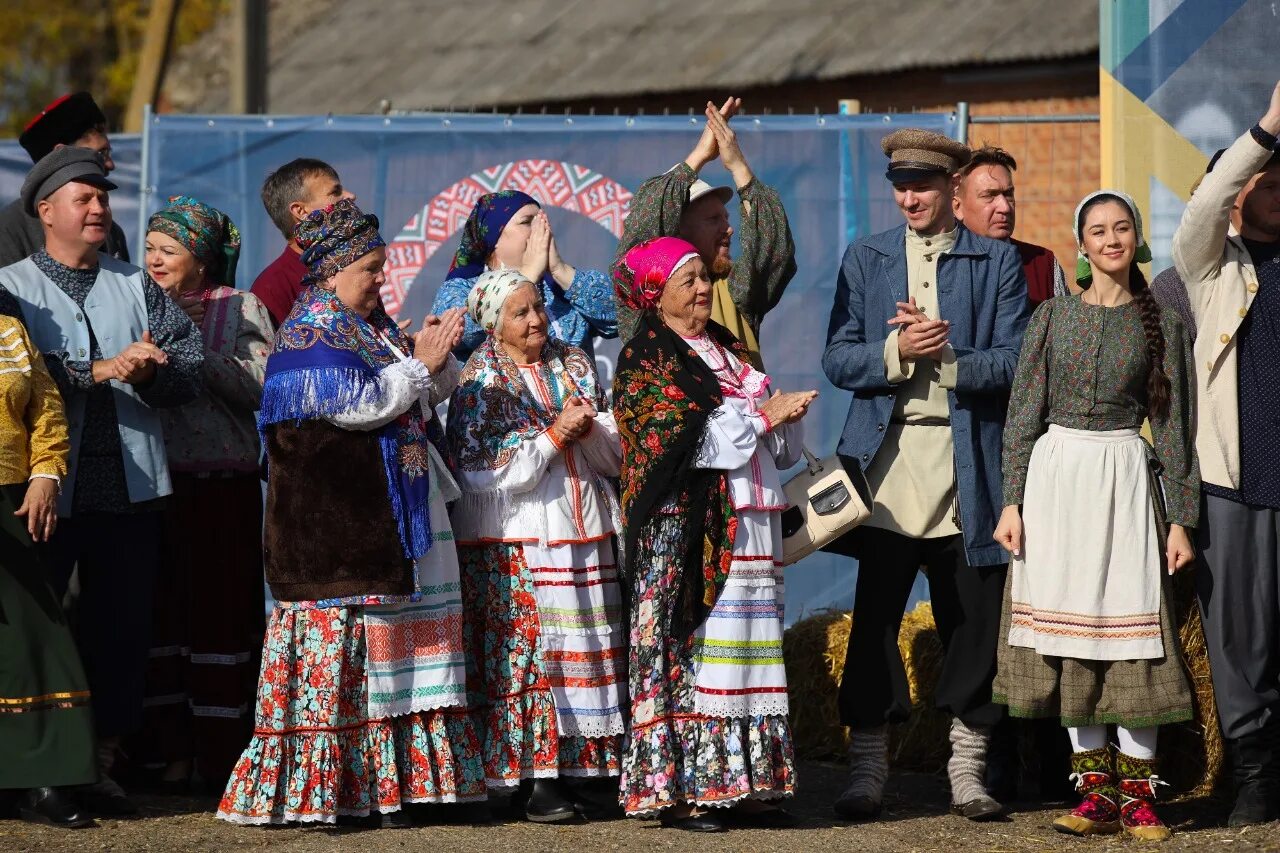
x: 966, y: 606
x: 118, y: 555
x: 1238, y: 585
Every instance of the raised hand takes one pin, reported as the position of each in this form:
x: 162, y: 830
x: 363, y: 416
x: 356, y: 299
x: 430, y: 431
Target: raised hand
x: 437, y: 338
x: 559, y: 268
x: 727, y: 143
x: 1271, y: 121
x: 537, y: 250
x: 708, y: 147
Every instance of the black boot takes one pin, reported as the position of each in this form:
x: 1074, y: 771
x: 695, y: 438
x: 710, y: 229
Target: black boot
x: 546, y: 801
x: 1256, y: 766
x: 1003, y: 764
x: 52, y: 806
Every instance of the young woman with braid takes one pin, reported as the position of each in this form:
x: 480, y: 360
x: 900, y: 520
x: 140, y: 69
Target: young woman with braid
x: 1096, y: 521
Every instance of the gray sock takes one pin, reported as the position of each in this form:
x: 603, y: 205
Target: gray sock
x: 968, y: 762
x: 868, y: 762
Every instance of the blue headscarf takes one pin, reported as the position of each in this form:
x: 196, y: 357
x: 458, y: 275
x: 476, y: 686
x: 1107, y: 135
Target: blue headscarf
x: 483, y: 228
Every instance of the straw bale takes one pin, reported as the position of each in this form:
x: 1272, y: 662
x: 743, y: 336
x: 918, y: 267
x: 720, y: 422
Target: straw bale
x: 814, y: 648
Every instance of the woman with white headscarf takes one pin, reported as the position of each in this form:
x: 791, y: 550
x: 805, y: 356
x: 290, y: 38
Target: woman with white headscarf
x: 532, y: 445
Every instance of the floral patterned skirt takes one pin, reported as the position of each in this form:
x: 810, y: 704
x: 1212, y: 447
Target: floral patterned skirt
x: 675, y: 755
x: 316, y: 755
x: 507, y: 685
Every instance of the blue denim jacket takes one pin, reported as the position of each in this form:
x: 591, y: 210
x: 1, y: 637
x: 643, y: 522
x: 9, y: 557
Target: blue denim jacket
x: 983, y: 292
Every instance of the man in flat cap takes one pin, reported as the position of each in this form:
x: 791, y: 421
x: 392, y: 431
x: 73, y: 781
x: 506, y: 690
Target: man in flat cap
x: 925, y: 331
x: 680, y: 204
x: 118, y: 348
x: 73, y: 120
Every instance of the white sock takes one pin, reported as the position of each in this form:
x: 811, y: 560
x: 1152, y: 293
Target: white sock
x: 1138, y: 743
x: 1087, y: 738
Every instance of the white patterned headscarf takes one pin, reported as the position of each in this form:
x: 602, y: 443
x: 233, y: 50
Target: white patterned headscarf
x: 489, y: 293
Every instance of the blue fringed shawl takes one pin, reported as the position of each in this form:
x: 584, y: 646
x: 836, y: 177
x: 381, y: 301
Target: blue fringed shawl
x: 326, y: 362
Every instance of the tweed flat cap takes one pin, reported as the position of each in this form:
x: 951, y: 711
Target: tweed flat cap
x: 61, y: 123
x: 915, y: 154
x: 59, y: 167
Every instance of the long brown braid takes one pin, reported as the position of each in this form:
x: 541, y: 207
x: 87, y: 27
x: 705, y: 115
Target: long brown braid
x: 1159, y: 388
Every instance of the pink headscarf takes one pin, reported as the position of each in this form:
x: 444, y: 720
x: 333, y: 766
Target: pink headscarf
x: 649, y: 266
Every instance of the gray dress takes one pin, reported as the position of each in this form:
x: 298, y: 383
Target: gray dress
x: 1084, y: 367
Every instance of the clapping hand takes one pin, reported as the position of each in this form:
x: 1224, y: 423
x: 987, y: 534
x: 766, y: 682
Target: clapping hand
x: 136, y: 363
x: 708, y: 147
x: 727, y: 143
x: 437, y: 338
x: 918, y: 336
x: 575, y: 420
x: 788, y: 407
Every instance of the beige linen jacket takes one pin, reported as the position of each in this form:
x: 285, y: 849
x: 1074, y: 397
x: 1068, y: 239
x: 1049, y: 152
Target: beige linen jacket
x: 1221, y: 284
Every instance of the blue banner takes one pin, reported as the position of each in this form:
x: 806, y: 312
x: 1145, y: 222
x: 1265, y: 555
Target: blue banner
x: 421, y: 173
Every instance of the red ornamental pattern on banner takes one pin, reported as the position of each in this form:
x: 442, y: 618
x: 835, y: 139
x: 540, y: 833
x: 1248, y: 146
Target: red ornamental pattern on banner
x: 553, y: 183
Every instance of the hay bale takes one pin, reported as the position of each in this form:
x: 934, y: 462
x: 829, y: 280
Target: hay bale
x: 814, y: 650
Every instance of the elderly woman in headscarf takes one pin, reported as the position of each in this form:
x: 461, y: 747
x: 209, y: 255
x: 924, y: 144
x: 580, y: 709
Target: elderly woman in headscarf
x: 702, y: 444
x: 509, y: 230
x: 533, y: 447
x: 361, y: 704
x: 208, y: 613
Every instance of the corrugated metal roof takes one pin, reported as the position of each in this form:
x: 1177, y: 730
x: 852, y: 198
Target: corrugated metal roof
x: 329, y: 56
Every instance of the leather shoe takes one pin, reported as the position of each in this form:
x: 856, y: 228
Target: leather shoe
x: 546, y: 802
x: 704, y: 822
x: 978, y: 809
x: 857, y: 807
x: 399, y: 819
x: 52, y: 807
x: 769, y: 818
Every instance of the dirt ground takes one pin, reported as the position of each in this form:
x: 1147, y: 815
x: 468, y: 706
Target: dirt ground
x: 914, y: 820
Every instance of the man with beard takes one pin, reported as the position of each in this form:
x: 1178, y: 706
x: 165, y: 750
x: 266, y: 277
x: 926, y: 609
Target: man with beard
x: 925, y: 331
x: 680, y: 204
x: 1227, y: 251
x: 985, y: 203
x: 71, y: 120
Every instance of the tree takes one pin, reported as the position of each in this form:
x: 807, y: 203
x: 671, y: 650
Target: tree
x: 51, y: 48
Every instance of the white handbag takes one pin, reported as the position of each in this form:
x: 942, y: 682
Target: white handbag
x: 825, y: 501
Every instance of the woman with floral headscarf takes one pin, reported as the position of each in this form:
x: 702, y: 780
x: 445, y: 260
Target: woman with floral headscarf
x: 703, y: 442
x: 508, y: 230
x: 1096, y: 521
x: 207, y: 626
x: 534, y: 447
x: 361, y: 704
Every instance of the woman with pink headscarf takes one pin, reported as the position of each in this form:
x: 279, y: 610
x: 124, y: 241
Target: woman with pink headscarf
x: 702, y: 444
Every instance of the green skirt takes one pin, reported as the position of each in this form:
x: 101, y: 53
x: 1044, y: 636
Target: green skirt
x: 46, y: 727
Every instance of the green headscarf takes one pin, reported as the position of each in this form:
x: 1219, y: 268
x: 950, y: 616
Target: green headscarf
x: 1084, y: 272
x: 205, y: 231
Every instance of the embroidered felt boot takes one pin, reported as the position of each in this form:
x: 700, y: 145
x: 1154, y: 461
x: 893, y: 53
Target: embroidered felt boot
x: 1098, y: 812
x: 868, y: 771
x: 1138, y: 781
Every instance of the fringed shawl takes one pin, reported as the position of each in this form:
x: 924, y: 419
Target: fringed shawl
x: 491, y: 412
x: 663, y: 396
x: 325, y: 363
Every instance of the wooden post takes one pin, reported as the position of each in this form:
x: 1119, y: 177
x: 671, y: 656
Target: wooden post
x: 249, y: 57
x: 151, y: 63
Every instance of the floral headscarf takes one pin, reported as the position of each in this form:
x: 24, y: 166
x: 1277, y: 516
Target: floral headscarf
x: 647, y: 268
x: 335, y: 238
x: 205, y: 231
x: 483, y: 228
x: 1084, y: 273
x: 489, y: 293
